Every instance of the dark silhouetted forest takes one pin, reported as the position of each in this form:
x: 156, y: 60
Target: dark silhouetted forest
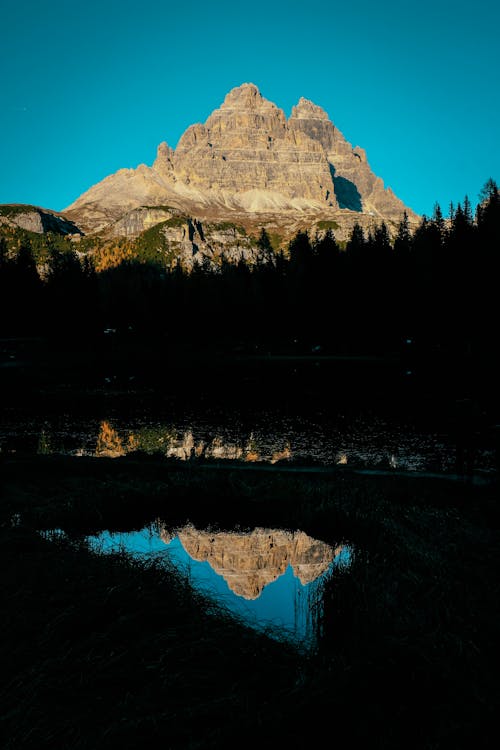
x: 435, y: 290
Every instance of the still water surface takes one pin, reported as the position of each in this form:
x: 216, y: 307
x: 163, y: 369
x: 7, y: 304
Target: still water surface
x: 364, y: 440
x: 272, y: 579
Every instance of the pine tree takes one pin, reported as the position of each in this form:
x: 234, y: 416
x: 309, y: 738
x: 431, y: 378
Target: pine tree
x: 488, y: 191
x: 438, y: 218
x: 467, y: 211
x: 26, y: 289
x: 356, y: 243
x: 402, y: 243
x: 266, y: 253
x: 3, y: 253
x: 300, y: 251
x: 25, y: 262
x: 382, y: 240
x: 326, y: 249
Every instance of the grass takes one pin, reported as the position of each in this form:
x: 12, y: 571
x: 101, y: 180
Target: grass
x: 158, y: 208
x: 224, y: 226
x: 101, y: 652
x: 277, y: 241
x: 175, y: 221
x: 14, y: 209
x: 325, y: 225
x: 106, y: 653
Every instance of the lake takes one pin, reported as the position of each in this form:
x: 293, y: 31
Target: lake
x: 272, y: 579
x: 364, y: 440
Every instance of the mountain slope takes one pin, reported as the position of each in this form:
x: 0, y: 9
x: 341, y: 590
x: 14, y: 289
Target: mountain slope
x: 35, y: 219
x: 249, y: 163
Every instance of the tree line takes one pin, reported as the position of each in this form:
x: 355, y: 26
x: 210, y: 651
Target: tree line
x: 435, y: 287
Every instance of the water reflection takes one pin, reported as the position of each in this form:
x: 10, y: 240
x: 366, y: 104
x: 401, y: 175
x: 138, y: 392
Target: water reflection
x: 183, y: 445
x: 270, y: 438
x: 269, y: 577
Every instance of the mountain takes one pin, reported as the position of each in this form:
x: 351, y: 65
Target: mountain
x: 249, y: 165
x: 35, y: 219
x: 246, y: 168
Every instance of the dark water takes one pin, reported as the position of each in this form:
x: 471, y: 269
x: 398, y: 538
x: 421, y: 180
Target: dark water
x: 365, y: 440
x: 270, y: 578
x: 368, y: 414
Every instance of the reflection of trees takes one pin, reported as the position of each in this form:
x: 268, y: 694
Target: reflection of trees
x: 282, y: 455
x: 184, y: 446
x: 109, y: 442
x: 44, y: 443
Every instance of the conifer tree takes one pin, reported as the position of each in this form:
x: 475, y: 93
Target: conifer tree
x: 266, y: 249
x: 438, y: 219
x: 402, y: 243
x: 356, y: 243
x: 488, y: 191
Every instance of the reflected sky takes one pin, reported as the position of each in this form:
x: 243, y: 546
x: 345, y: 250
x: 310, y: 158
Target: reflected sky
x: 269, y: 578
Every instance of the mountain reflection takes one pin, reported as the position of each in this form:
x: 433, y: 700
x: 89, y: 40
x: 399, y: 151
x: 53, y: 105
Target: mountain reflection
x: 268, y: 577
x: 183, y: 446
x: 250, y: 561
x: 269, y: 438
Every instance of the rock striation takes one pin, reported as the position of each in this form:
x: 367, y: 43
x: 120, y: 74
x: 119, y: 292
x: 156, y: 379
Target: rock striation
x: 247, y: 146
x: 356, y: 187
x: 250, y: 561
x: 251, y: 164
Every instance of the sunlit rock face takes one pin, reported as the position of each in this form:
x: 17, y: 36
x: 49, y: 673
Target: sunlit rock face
x: 247, y: 149
x: 356, y: 187
x: 249, y: 562
x: 249, y: 162
x: 138, y: 220
x: 37, y: 220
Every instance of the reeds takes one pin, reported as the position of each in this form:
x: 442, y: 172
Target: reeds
x: 107, y: 651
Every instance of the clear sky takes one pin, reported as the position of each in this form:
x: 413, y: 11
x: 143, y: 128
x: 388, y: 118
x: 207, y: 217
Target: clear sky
x: 88, y: 88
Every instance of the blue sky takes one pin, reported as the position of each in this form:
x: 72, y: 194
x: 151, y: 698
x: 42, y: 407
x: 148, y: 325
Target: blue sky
x: 88, y: 88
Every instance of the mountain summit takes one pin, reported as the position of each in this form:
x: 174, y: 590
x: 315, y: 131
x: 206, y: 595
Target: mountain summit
x: 249, y: 161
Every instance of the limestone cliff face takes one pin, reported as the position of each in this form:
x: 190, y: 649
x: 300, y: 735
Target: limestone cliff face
x: 246, y: 145
x: 246, y: 163
x: 34, y: 219
x: 138, y: 220
x: 356, y: 187
x: 193, y: 242
x: 249, y: 562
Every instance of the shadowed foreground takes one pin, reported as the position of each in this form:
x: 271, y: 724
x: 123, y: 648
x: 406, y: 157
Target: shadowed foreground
x: 103, y: 652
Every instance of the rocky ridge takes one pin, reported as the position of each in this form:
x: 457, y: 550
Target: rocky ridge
x: 247, y: 167
x: 184, y: 239
x: 35, y: 219
x: 251, y: 165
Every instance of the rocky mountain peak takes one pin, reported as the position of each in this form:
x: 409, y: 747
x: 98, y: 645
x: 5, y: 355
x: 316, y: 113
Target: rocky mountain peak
x: 306, y: 109
x: 164, y: 151
x: 249, y: 163
x: 163, y: 163
x: 245, y: 97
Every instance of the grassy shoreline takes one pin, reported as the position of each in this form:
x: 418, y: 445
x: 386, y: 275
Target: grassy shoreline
x: 104, y: 652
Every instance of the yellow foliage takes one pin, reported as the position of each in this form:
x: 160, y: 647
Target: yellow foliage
x: 282, y: 455
x: 113, y: 255
x: 108, y: 442
x: 252, y: 456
